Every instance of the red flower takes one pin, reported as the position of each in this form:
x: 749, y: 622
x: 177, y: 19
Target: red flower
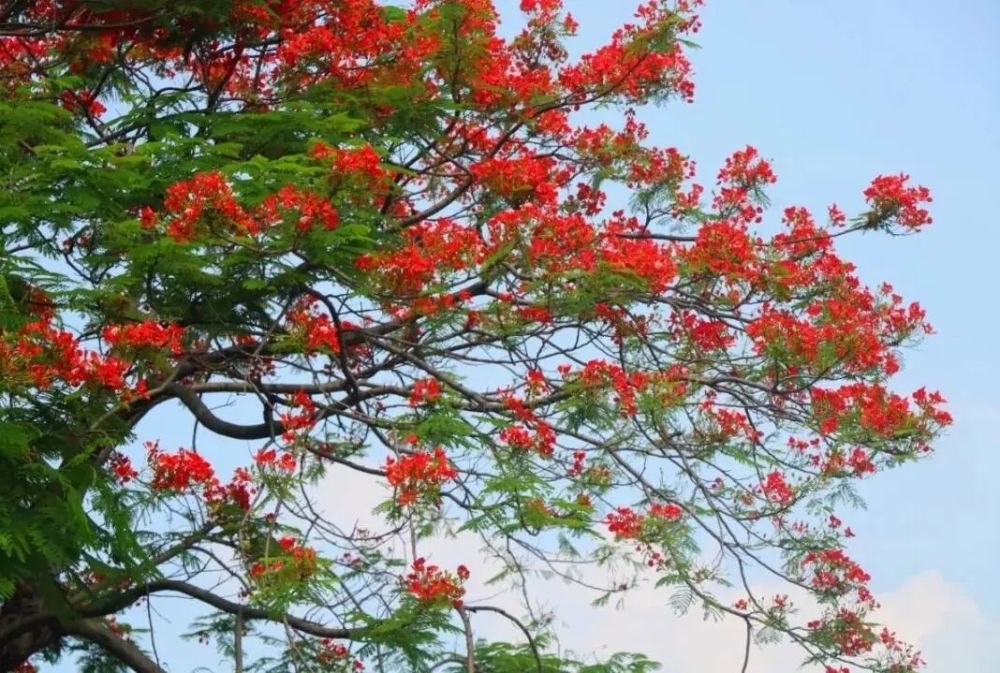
x: 890, y: 199
x: 670, y: 511
x: 425, y: 391
x: 418, y: 474
x: 178, y: 471
x: 433, y: 586
x: 776, y: 490
x: 148, y: 334
x: 191, y: 202
x: 302, y: 208
x: 625, y: 523
x: 122, y: 467
x: 82, y: 101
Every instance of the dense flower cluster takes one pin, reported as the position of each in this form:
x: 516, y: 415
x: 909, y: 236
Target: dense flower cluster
x: 634, y: 72
x: 433, y: 586
x: 530, y: 433
x: 875, y: 409
x: 187, y: 471
x: 42, y: 355
x: 776, y: 489
x: 627, y: 524
x: 425, y: 391
x: 428, y: 253
x: 178, y: 471
x: 121, y: 466
x: 419, y: 474
x: 834, y: 573
x: 317, y: 329
x: 206, y: 199
x: 891, y: 198
x: 304, y: 209
x: 147, y: 334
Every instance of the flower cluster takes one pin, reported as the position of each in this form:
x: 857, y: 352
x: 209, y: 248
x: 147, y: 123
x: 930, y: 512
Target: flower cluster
x: 268, y: 459
x: 303, y: 208
x: 121, y: 466
x: 636, y: 73
x: 519, y: 177
x: 178, y: 471
x: 82, y: 102
x: 531, y: 433
x: 425, y: 391
x: 147, y: 334
x: 419, y: 474
x: 891, y: 199
x: 875, y: 410
x: 834, y: 573
x: 428, y: 253
x: 317, y: 329
x: 205, y: 198
x: 597, y: 374
x: 301, y: 419
x: 331, y: 653
x: 187, y: 471
x: 41, y: 355
x: 360, y: 167
x: 433, y: 586
x: 627, y: 524
x: 776, y: 490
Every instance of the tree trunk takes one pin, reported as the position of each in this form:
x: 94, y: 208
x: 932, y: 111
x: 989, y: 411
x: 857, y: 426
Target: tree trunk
x: 25, y: 627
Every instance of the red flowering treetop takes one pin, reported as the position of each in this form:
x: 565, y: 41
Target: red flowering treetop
x: 385, y: 233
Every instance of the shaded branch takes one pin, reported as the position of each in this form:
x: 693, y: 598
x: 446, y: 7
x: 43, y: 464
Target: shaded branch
x: 123, y: 650
x: 248, y: 613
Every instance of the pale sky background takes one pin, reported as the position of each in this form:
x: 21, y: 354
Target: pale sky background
x: 834, y: 93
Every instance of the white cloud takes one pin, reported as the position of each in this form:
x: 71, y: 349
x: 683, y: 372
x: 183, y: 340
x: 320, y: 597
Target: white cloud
x: 943, y: 621
x: 952, y: 631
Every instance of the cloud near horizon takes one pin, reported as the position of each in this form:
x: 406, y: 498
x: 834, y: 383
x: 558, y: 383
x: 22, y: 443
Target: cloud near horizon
x: 954, y: 634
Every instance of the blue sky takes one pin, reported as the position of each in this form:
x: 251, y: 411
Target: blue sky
x: 835, y: 93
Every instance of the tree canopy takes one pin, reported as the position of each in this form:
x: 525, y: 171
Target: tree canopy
x: 389, y: 239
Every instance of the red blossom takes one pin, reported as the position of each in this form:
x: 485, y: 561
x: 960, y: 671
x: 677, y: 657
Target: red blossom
x: 43, y: 355
x: 120, y: 464
x: 627, y: 524
x: 433, y: 586
x: 192, y: 202
x: 835, y: 573
x: 147, y: 334
x: 425, y: 391
x: 418, y: 474
x: 178, y: 471
x: 892, y: 199
x: 269, y: 459
x: 300, y: 207
x: 82, y: 101
x: 776, y: 489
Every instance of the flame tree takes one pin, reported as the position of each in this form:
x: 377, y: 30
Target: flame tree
x: 386, y: 233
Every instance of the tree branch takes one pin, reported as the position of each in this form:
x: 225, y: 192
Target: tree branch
x: 248, y: 613
x: 123, y: 650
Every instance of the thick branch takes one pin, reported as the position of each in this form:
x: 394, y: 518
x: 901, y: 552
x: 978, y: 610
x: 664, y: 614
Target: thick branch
x: 123, y: 650
x: 126, y: 598
x: 193, y: 402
